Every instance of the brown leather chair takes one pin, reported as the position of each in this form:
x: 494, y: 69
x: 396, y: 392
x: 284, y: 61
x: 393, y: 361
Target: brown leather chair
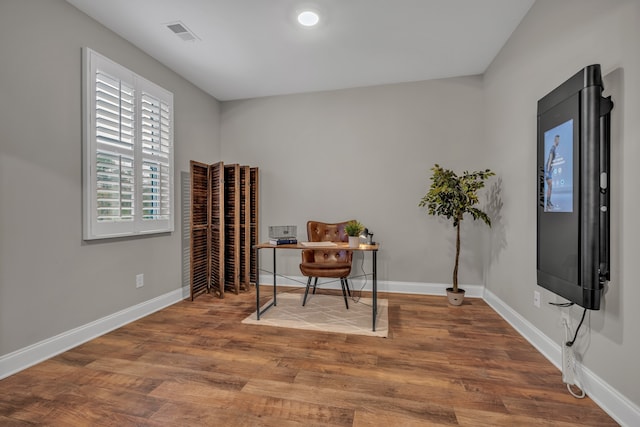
x: 328, y: 263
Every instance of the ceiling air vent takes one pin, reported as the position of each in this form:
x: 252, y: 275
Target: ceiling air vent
x: 181, y: 30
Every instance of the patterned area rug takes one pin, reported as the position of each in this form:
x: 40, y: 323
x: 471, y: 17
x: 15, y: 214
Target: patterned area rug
x: 325, y: 313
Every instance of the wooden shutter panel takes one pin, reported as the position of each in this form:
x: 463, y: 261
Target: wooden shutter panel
x: 253, y: 222
x: 199, y: 229
x: 217, y: 228
x: 231, y: 227
x: 245, y: 230
x: 224, y: 227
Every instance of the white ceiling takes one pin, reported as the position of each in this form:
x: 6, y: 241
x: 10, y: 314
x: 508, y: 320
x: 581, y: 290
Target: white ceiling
x: 254, y: 48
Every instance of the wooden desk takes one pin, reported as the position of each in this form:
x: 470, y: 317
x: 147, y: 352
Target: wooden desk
x: 338, y: 246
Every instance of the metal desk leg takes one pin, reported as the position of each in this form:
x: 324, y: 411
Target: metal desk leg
x: 257, y: 283
x: 274, y: 277
x: 375, y: 288
x: 258, y: 311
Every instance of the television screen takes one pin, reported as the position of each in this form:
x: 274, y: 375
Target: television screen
x: 558, y: 146
x: 573, y: 191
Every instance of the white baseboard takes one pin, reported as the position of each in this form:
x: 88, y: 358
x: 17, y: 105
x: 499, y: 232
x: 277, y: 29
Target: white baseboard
x: 472, y: 291
x: 545, y: 345
x: 28, y: 356
x: 621, y: 409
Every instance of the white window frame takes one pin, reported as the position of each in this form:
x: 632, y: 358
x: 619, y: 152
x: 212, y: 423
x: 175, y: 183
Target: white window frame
x: 152, y: 142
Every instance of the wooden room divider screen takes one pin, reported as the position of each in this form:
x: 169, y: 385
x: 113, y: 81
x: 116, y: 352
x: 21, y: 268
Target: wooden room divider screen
x: 224, y: 227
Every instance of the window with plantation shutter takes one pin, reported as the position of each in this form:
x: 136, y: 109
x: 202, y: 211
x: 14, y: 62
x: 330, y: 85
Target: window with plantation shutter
x: 128, y: 158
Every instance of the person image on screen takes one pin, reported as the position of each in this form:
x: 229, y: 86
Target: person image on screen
x: 549, y: 171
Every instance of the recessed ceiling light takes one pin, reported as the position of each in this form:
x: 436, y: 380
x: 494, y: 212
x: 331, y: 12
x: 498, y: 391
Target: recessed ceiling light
x: 308, y: 18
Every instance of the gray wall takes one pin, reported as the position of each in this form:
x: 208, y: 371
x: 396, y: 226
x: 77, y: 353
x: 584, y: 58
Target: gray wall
x: 365, y: 153
x: 50, y: 280
x: 555, y: 40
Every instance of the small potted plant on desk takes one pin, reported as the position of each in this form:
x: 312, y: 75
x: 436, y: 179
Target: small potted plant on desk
x: 353, y: 230
x: 451, y: 196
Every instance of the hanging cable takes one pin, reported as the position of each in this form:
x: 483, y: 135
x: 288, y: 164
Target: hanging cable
x: 562, y: 304
x: 570, y: 343
x: 353, y: 298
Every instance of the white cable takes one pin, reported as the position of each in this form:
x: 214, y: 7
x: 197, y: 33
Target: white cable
x: 353, y: 297
x: 577, y: 396
x: 570, y: 377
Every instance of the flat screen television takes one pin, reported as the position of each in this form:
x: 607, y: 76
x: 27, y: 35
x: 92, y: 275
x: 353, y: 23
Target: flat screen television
x: 573, y: 189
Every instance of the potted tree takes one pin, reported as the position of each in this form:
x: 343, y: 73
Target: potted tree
x: 353, y: 230
x: 452, y: 196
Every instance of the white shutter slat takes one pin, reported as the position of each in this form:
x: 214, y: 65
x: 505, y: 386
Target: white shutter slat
x: 156, y: 157
x: 115, y: 129
x: 114, y: 184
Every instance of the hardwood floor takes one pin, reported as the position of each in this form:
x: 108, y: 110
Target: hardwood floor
x: 196, y: 364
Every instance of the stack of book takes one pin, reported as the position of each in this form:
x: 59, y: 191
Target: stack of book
x: 283, y: 235
x: 283, y: 241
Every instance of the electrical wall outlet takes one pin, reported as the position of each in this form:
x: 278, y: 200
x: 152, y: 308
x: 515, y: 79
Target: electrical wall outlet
x: 139, y: 280
x: 536, y: 299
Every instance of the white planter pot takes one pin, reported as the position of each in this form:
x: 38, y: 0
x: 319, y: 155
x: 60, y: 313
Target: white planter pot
x: 354, y: 241
x: 455, y: 298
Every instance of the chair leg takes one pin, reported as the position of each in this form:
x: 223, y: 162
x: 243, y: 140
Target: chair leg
x: 344, y: 292
x: 315, y: 283
x: 346, y: 283
x: 306, y: 291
